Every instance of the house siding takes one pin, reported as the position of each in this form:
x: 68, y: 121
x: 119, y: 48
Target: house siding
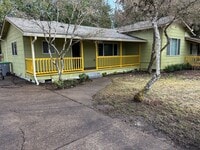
x: 129, y: 48
x: 39, y: 49
x: 179, y: 32
x: 145, y: 47
x: 17, y: 61
x: 174, y: 31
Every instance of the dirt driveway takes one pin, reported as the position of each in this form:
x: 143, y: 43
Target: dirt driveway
x: 32, y: 117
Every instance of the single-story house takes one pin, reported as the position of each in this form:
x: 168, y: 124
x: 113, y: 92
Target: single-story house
x: 183, y: 47
x: 97, y: 51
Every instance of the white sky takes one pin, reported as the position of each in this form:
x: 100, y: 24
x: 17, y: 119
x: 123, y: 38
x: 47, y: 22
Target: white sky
x: 112, y: 3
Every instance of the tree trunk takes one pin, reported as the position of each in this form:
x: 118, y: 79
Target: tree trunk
x: 156, y: 46
x: 153, y: 53
x: 152, y: 60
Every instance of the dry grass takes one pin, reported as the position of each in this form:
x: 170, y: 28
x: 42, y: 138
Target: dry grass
x: 172, y: 105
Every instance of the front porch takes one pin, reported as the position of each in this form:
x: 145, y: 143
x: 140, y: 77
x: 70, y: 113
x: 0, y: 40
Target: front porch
x: 194, y: 61
x: 84, y: 57
x: 44, y: 66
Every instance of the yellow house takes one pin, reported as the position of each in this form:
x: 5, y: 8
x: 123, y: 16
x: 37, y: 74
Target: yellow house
x: 99, y: 50
x: 184, y: 46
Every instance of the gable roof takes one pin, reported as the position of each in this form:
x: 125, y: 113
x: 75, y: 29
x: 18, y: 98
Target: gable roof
x: 144, y: 25
x: 33, y: 28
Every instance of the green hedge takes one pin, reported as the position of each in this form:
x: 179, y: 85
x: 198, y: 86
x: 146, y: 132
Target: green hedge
x: 177, y: 67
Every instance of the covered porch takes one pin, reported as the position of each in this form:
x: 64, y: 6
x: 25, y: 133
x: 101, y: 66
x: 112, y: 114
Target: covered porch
x: 194, y: 58
x: 86, y: 56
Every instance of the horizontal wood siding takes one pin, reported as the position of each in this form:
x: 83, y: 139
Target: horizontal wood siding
x: 175, y: 31
x: 129, y: 48
x: 145, y: 47
x: 18, y: 61
x: 39, y: 47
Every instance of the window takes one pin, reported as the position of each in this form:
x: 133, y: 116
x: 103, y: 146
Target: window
x: 14, y: 48
x: 173, y: 48
x: 45, y: 46
x: 107, y: 49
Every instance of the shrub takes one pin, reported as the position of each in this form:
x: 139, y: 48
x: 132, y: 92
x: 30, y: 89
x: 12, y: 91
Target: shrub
x: 104, y: 74
x: 65, y: 84
x: 83, y: 77
x: 177, y: 67
x: 59, y: 84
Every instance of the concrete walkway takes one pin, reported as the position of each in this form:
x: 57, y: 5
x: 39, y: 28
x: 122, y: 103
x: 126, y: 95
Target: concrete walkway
x: 32, y: 117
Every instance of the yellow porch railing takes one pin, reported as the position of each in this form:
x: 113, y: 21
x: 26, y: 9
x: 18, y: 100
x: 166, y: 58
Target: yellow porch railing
x: 46, y: 66
x: 117, y: 61
x: 194, y: 61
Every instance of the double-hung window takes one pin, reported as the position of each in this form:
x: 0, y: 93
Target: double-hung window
x: 14, y: 48
x: 45, y: 47
x: 108, y: 49
x: 173, y: 48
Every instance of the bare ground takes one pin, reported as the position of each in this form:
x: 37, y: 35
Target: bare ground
x: 171, y: 108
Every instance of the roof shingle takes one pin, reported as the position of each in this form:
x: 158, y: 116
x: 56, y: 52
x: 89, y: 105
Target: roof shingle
x: 33, y: 28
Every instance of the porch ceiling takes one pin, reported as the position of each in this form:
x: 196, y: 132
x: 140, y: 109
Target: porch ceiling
x: 192, y: 39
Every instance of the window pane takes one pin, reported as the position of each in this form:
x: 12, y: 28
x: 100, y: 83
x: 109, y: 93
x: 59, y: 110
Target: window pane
x: 191, y: 48
x: 178, y: 49
x: 168, y: 48
x: 115, y: 49
x: 100, y: 47
x: 45, y: 47
x: 108, y: 49
x: 52, y: 49
x: 174, y: 47
x: 14, y: 48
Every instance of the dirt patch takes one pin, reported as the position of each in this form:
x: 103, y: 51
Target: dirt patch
x: 171, y: 107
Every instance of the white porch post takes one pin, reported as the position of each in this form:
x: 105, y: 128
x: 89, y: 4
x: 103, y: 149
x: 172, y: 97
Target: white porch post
x: 33, y: 59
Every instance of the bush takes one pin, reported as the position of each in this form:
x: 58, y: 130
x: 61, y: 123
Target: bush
x: 65, y: 84
x: 177, y: 67
x: 104, y: 74
x: 83, y: 77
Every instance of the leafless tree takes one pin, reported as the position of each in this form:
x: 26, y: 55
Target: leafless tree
x: 75, y: 12
x: 153, y: 10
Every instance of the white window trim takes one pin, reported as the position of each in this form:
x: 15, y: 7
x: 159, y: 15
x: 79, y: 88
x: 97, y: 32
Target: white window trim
x: 171, y: 50
x: 12, y: 48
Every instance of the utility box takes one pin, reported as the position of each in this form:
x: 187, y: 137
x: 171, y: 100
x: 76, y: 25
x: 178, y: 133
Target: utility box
x: 5, y: 68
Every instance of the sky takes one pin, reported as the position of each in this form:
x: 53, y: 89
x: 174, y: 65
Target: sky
x: 112, y: 3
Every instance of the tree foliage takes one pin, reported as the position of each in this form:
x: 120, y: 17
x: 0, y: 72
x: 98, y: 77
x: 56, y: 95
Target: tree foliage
x: 49, y: 9
x: 139, y: 10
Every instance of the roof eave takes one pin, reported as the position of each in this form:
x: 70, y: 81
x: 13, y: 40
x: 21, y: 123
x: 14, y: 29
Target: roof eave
x: 87, y: 38
x: 195, y: 40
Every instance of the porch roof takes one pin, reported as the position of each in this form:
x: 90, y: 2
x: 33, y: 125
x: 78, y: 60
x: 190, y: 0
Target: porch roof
x: 36, y: 28
x: 192, y: 39
x: 144, y: 25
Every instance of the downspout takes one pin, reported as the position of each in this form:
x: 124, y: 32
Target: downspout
x: 33, y: 59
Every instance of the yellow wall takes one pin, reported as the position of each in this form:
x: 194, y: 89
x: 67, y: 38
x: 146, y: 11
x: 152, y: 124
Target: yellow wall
x: 17, y: 61
x: 130, y: 48
x: 175, y: 31
x: 38, y: 47
x: 145, y: 47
